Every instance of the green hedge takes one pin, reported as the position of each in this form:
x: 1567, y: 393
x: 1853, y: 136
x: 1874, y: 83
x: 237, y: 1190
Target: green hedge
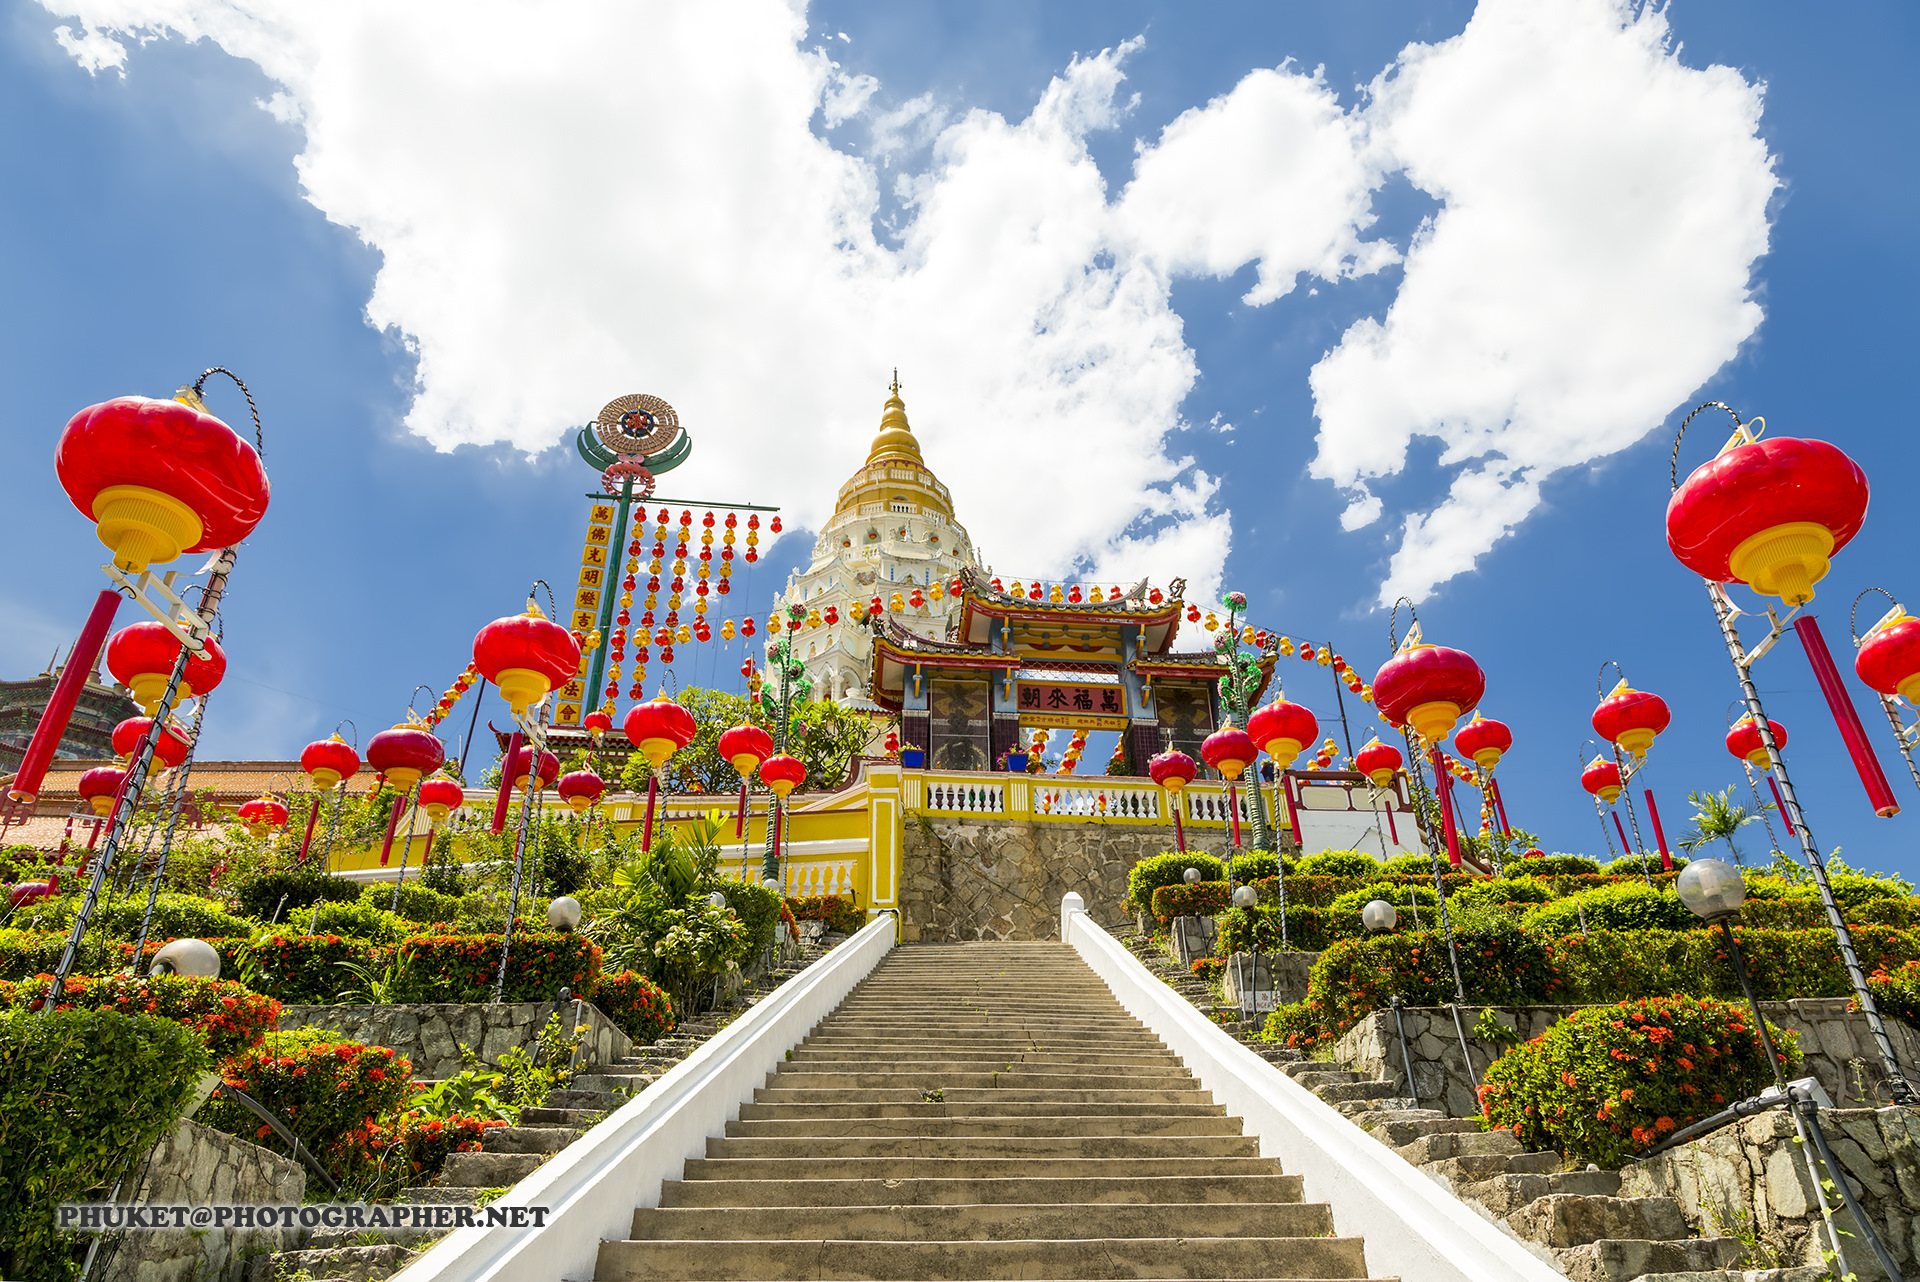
x: 1555, y: 866
x: 639, y: 1007
x: 1168, y: 869
x: 174, y: 917
x: 1607, y: 1082
x: 83, y: 1095
x: 1245, y: 931
x: 24, y: 954
x: 303, y: 887
x: 1628, y: 905
x: 461, y: 968
x: 758, y: 908
x: 305, y: 969
x: 1340, y: 863
x: 226, y: 1015
x: 1350, y: 902
x: 362, y: 919
x: 1202, y: 899
x: 418, y: 903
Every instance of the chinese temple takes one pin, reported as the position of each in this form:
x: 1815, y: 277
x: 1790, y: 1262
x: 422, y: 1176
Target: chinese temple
x: 102, y: 706
x: 892, y: 532
x: 1025, y: 658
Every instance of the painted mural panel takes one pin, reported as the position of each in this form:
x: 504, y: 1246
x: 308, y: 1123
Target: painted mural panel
x: 959, y: 721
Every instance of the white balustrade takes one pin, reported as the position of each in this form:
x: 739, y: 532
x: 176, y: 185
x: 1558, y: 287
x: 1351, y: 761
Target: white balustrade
x: 820, y: 877
x: 1091, y: 801
x: 1211, y: 807
x: 966, y: 798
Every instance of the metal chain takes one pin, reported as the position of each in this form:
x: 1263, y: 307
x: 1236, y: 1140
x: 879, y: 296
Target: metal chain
x: 259, y: 439
x: 1673, y: 466
x: 173, y: 819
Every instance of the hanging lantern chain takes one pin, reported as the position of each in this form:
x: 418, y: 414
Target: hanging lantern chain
x: 1673, y: 467
x: 259, y: 439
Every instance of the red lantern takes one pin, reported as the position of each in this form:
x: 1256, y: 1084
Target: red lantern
x: 1229, y: 750
x: 1889, y: 658
x: 745, y: 747
x: 160, y: 478
x: 170, y: 749
x: 1378, y: 762
x: 99, y: 786
x: 329, y: 761
x: 261, y: 814
x: 1630, y: 719
x: 1282, y: 730
x: 581, y: 789
x: 1173, y: 770
x: 1193, y: 614
x: 659, y: 728
x: 1743, y: 740
x: 917, y: 599
x: 782, y: 774
x: 1602, y: 779
x: 596, y: 723
x: 1769, y: 514
x: 526, y: 655
x: 405, y: 753
x: 440, y: 797
x: 1483, y: 740
x: 141, y: 657
x: 520, y: 764
x: 1428, y: 687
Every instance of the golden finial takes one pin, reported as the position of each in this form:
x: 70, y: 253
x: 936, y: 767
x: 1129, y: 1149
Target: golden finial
x: 895, y: 389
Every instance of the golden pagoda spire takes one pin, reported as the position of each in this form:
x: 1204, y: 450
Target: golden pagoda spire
x: 896, y: 438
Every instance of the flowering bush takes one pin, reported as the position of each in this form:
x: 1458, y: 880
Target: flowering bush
x: 1340, y: 863
x: 461, y: 968
x: 1627, y: 905
x: 304, y: 969
x: 1167, y: 869
x: 1210, y: 969
x: 227, y: 1016
x: 841, y: 914
x: 639, y: 1007
x: 1258, y: 929
x: 26, y: 953
x: 1202, y: 899
x: 379, y: 1158
x: 1607, y: 1082
x: 1299, y: 1027
x: 1500, y: 966
x: 1897, y: 992
x: 323, y: 1089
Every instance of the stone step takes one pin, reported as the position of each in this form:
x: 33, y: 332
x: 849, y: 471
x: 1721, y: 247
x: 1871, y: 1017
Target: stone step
x: 1028, y: 1078
x: 1804, y: 1273
x: 1396, y: 1133
x: 1350, y: 1092
x: 622, y: 1087
x: 439, y: 1195
x: 975, y: 1094
x: 488, y: 1170
x: 1131, y: 1123
x: 1371, y: 1118
x: 953, y: 1168
x: 1295, y: 1069
x: 989, y: 1108
x: 1313, y: 1079
x: 1433, y: 1148
x: 1505, y: 1194
x: 988, y: 1222
x: 585, y: 1101
x: 1562, y: 1220
x: 528, y: 1139
x: 1018, y: 1189
x: 982, y: 1055
x: 352, y: 1263
x: 971, y: 1147
x: 1622, y: 1260
x: 1354, y: 1108
x: 725, y: 1261
x: 1472, y: 1169
x: 578, y: 1118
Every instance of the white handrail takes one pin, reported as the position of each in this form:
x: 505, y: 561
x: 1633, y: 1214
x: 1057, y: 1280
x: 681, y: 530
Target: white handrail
x: 1413, y: 1228
x: 591, y: 1187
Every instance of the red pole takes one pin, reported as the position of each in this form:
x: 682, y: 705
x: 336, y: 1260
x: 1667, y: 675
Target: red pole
x: 1499, y: 806
x: 1233, y: 813
x: 1443, y: 785
x: 1666, y: 860
x: 313, y: 816
x: 1841, y: 704
x: 740, y: 818
x: 646, y: 833
x: 66, y: 693
x: 506, y: 784
x: 1622, y: 831
x: 393, y: 821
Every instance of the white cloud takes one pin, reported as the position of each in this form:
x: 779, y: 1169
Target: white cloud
x: 559, y: 225
x: 1603, y: 206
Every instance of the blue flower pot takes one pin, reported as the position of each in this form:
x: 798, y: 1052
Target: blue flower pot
x: 913, y: 758
x: 1017, y: 763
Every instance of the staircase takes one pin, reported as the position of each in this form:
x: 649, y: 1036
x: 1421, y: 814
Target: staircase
x: 982, y: 1111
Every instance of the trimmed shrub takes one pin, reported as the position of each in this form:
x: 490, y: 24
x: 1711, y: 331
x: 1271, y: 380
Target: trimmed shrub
x: 758, y: 908
x: 260, y: 895
x: 380, y: 1158
x: 1297, y: 1026
x: 1504, y: 890
x: 1556, y: 866
x: 1258, y: 930
x: 24, y: 954
x: 1407, y: 866
x: 1202, y: 899
x: 227, y: 1016
x: 305, y: 969
x: 1340, y: 863
x: 637, y: 1006
x: 461, y: 968
x: 1257, y: 865
x: 1605, y: 1083
x: 1627, y: 905
x: 174, y: 917
x: 1500, y: 967
x: 1853, y: 891
x: 1635, y: 865
x: 83, y: 1095
x: 840, y: 913
x: 1350, y: 902
x: 1168, y: 869
x: 418, y: 903
x: 322, y: 1087
x: 1896, y: 992
x: 359, y: 920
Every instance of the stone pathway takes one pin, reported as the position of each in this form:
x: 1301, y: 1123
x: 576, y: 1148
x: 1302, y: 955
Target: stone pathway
x: 982, y: 1111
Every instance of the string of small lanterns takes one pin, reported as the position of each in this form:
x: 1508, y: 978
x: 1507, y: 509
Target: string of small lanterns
x: 461, y: 684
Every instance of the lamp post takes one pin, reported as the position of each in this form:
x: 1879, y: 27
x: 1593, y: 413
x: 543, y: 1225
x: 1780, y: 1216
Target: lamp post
x: 1379, y: 917
x: 1245, y: 898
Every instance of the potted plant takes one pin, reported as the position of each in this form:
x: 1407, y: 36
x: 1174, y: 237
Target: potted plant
x: 1012, y: 760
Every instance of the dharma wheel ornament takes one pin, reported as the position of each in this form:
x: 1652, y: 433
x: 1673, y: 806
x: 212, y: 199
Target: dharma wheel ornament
x: 99, y: 786
x: 1889, y: 658
x: 1378, y: 762
x: 159, y: 478
x: 262, y: 814
x: 1282, y: 730
x: 141, y: 657
x: 1743, y: 740
x: 1630, y: 719
x: 526, y: 656
x: 580, y: 789
x: 1173, y: 770
x: 1768, y: 513
x: 1483, y: 740
x: 440, y: 797
x: 170, y: 749
x: 1428, y: 687
x: 1602, y: 779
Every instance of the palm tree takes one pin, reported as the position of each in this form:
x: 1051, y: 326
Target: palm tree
x: 1716, y: 818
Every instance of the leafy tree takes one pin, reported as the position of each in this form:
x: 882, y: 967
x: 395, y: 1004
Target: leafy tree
x: 825, y: 736
x: 1716, y: 818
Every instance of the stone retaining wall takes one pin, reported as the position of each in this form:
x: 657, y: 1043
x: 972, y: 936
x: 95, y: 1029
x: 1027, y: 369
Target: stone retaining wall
x: 430, y: 1034
x: 1749, y: 1180
x: 1839, y: 1051
x: 197, y: 1165
x: 974, y: 879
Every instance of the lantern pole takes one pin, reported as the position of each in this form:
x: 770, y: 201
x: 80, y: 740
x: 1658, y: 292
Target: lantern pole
x: 136, y: 777
x: 413, y: 818
x: 770, y: 866
x: 536, y: 744
x: 1796, y: 821
x: 1903, y: 736
x: 1433, y: 859
x: 1626, y: 777
x: 1237, y: 703
x: 166, y: 842
x: 616, y: 559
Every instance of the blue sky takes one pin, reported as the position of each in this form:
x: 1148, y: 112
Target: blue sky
x: 162, y: 221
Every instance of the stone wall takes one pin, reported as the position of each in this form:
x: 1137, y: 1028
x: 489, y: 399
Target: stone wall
x: 430, y: 1034
x: 972, y: 879
x: 1838, y: 1049
x: 197, y: 1165
x: 1750, y: 1180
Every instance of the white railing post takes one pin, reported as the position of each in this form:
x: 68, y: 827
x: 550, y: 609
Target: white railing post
x: 1070, y: 904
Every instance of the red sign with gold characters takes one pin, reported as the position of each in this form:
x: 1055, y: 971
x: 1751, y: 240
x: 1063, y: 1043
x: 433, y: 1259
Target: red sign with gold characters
x: 1071, y: 705
x: 586, y: 605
